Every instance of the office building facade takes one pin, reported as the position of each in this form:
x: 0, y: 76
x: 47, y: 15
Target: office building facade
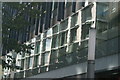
x: 60, y: 38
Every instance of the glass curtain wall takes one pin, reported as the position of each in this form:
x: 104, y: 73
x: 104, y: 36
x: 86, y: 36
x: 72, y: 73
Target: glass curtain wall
x: 107, y: 29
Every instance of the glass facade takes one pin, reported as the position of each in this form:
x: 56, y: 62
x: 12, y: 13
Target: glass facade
x: 107, y: 30
x: 62, y: 45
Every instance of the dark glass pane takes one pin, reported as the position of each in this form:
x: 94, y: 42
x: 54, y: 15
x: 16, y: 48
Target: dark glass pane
x: 74, y: 20
x: 85, y: 31
x: 37, y: 49
x: 86, y: 14
x: 55, y: 41
x: 102, y: 11
x: 54, y: 57
x: 101, y: 26
x: 63, y: 25
x: 45, y: 58
x: 73, y: 35
x: 55, y: 29
x: 62, y: 38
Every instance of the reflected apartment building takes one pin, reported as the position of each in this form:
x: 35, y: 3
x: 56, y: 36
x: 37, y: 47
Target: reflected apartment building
x: 60, y: 38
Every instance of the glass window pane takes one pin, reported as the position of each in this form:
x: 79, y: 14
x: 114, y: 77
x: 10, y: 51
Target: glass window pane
x: 32, y: 50
x: 84, y: 44
x: 102, y: 10
x: 54, y: 56
x: 83, y: 54
x: 49, y: 32
x: 62, y: 51
x: 22, y: 64
x: 101, y: 49
x: 40, y: 47
x: 18, y: 60
x: 63, y: 25
x: 43, y: 45
x: 48, y: 44
x: 27, y: 63
x: 45, y: 34
x: 55, y: 29
x: 85, y: 31
x: 114, y: 23
x: 112, y: 46
x: 36, y: 60
x: 101, y: 26
x: 86, y: 14
x: 45, y: 58
x: 37, y: 49
x: 31, y: 62
x: 55, y: 41
x: 74, y: 20
x: 63, y: 38
x: 73, y: 47
x: 73, y: 35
